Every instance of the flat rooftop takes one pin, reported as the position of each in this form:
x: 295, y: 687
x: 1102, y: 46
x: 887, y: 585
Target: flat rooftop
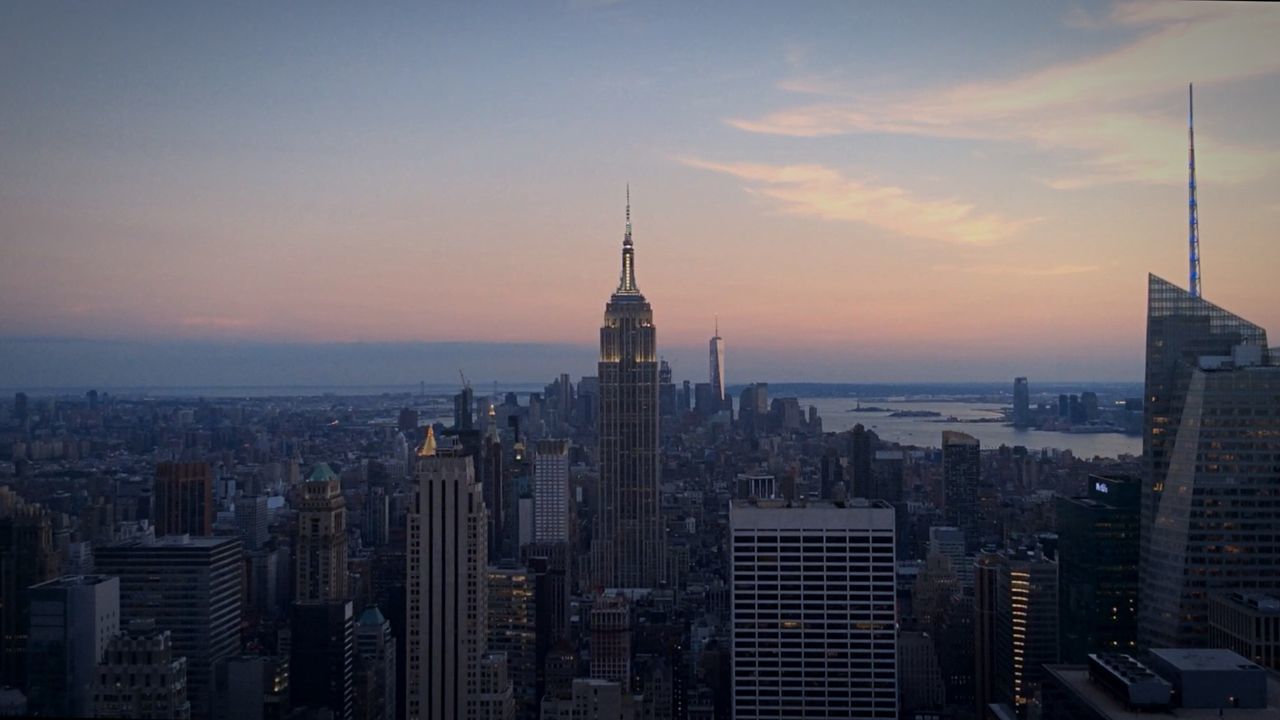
x: 1076, y: 678
x: 1203, y: 659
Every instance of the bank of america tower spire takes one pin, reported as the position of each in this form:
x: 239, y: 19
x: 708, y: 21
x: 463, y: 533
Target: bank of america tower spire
x: 628, y: 548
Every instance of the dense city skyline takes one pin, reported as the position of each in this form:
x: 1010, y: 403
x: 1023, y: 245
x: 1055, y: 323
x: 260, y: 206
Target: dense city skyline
x: 291, y: 181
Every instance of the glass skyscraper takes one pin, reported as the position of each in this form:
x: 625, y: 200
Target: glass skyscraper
x: 1211, y: 445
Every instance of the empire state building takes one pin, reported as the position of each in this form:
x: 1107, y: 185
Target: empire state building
x: 628, y: 548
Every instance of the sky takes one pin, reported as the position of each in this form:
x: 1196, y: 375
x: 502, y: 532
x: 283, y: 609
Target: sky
x: 861, y: 192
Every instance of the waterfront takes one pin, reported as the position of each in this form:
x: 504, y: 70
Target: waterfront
x: 927, y: 431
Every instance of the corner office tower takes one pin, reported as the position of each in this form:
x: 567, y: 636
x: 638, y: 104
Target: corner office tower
x: 1211, y: 441
x: 628, y: 549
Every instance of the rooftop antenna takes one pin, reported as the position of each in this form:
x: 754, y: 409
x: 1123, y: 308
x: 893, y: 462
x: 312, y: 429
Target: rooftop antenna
x: 1193, y: 211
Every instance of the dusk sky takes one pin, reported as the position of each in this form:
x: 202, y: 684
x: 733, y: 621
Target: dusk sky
x: 861, y: 191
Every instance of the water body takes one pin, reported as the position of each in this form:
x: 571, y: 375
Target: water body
x: 927, y: 431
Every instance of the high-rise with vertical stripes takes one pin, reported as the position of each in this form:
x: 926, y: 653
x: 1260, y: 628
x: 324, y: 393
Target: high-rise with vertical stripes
x: 447, y: 588
x: 627, y: 546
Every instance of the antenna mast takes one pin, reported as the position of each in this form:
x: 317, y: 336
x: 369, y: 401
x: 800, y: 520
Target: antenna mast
x: 1193, y: 210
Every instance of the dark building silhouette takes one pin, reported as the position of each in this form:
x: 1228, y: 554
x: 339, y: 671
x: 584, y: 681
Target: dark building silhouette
x: 961, y: 474
x: 861, y: 450
x: 191, y: 587
x: 322, y: 658
x: 183, y: 499
x: 1021, y: 403
x: 27, y: 557
x: 463, y: 407
x: 1098, y: 560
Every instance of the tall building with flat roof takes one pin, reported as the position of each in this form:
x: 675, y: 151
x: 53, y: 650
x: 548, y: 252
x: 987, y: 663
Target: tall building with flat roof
x: 323, y: 656
x: 813, y: 609
x: 513, y: 629
x: 72, y: 620
x: 1098, y: 560
x: 27, y: 558
x: 1211, y: 434
x: 628, y: 546
x: 1026, y: 625
x: 183, y: 498
x: 961, y: 474
x: 1021, y: 403
x: 447, y: 588
x: 191, y: 587
x: 551, y: 491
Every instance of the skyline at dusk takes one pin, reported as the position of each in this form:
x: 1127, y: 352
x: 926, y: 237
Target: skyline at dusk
x: 860, y: 193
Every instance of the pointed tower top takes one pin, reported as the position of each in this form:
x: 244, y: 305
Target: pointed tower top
x: 1193, y: 209
x: 717, y: 325
x: 627, y: 281
x: 428, y: 448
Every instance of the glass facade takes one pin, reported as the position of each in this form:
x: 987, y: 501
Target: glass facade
x: 1211, y: 496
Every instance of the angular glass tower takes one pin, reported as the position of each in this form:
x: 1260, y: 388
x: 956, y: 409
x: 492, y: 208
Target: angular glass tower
x: 717, y: 366
x: 1211, y: 439
x: 628, y: 549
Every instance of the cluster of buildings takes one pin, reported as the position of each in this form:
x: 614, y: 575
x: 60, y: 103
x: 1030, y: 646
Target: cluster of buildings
x: 623, y: 548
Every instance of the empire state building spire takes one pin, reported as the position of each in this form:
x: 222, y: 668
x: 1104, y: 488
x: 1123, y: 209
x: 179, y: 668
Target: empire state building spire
x: 628, y: 547
x: 627, y: 281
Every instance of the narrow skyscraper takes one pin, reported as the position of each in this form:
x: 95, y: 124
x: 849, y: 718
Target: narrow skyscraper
x: 447, y: 588
x: 717, y: 365
x: 320, y: 566
x: 628, y: 548
x: 961, y: 471
x: 1021, y: 403
x: 1193, y: 207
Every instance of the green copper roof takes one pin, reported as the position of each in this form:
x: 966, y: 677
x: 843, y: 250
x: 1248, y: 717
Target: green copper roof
x: 322, y: 473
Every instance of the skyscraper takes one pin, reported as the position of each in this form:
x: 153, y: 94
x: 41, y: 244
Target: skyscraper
x: 191, y: 586
x: 1021, y: 403
x: 1211, y: 433
x: 376, y: 656
x: 183, y: 498
x: 323, y: 656
x: 27, y: 557
x: 628, y: 548
x: 813, y: 609
x: 72, y: 620
x: 1098, y: 559
x: 513, y: 631
x: 717, y: 365
x: 320, y: 559
x: 961, y: 468
x: 1026, y: 624
x: 551, y: 491
x: 447, y: 588
x: 463, y: 406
